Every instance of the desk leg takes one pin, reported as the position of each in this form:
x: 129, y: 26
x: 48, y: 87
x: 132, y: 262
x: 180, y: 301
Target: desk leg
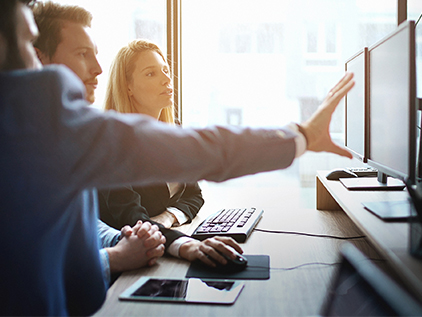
x: 324, y: 199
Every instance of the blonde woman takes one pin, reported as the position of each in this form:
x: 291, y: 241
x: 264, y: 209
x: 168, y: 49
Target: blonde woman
x: 140, y: 82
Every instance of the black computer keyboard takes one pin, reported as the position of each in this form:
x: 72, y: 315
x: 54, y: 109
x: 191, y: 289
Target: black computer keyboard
x: 237, y: 223
x: 364, y: 171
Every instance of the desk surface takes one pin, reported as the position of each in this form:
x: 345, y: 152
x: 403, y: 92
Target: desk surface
x: 289, y: 291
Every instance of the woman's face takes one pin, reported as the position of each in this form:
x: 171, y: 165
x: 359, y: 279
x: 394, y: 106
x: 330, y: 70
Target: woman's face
x: 151, y: 88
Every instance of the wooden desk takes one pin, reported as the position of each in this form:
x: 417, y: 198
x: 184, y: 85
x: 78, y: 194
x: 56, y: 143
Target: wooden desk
x: 389, y: 238
x: 298, y: 292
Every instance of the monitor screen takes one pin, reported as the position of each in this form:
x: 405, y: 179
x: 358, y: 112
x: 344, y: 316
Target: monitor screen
x: 392, y: 99
x: 355, y: 106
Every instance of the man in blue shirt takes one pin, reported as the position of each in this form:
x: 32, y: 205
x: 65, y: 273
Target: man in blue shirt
x: 54, y: 150
x: 58, y: 274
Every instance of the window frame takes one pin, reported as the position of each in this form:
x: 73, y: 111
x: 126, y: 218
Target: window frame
x: 174, y: 53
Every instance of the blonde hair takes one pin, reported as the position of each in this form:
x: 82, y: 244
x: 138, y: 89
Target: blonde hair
x: 121, y: 70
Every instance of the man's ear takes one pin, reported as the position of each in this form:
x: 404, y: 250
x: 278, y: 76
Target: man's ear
x: 45, y: 60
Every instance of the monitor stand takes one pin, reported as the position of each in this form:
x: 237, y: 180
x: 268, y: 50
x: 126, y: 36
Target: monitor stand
x: 382, y: 182
x: 391, y: 210
x: 400, y: 210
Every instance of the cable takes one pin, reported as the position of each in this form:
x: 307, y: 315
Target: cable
x: 305, y: 264
x: 294, y: 267
x: 309, y: 234
x: 418, y: 20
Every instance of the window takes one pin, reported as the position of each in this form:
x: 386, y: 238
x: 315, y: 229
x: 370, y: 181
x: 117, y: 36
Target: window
x: 271, y: 62
x: 261, y: 38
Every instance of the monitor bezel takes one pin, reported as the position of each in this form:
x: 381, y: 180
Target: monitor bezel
x: 360, y: 156
x: 390, y: 171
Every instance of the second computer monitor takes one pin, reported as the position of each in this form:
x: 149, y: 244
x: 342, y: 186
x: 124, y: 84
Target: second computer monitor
x: 356, y: 106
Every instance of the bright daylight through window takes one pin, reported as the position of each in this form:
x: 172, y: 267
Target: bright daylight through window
x: 271, y: 62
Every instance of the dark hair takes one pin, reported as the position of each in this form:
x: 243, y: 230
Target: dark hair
x: 8, y: 26
x: 50, y: 18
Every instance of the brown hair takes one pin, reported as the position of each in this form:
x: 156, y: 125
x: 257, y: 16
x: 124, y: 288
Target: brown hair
x: 50, y: 18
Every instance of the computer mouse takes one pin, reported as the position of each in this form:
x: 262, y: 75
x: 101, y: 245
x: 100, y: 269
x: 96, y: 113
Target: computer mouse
x: 233, y: 265
x: 336, y: 174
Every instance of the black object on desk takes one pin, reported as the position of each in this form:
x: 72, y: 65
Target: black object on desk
x: 258, y: 269
x: 233, y: 265
x: 366, y: 171
x: 352, y: 172
x: 175, y: 290
x: 391, y: 210
x: 415, y: 234
x: 415, y: 237
x: 336, y: 174
x: 237, y: 223
x: 361, y: 289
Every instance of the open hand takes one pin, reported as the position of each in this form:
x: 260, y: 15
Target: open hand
x: 316, y: 128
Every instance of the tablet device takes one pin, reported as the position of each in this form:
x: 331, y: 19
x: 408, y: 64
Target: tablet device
x: 183, y: 290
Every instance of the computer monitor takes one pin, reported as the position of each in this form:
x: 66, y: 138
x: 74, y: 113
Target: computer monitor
x: 391, y: 130
x: 391, y: 125
x: 356, y: 109
x: 360, y: 288
x: 418, y: 35
x: 392, y: 117
x: 392, y: 104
